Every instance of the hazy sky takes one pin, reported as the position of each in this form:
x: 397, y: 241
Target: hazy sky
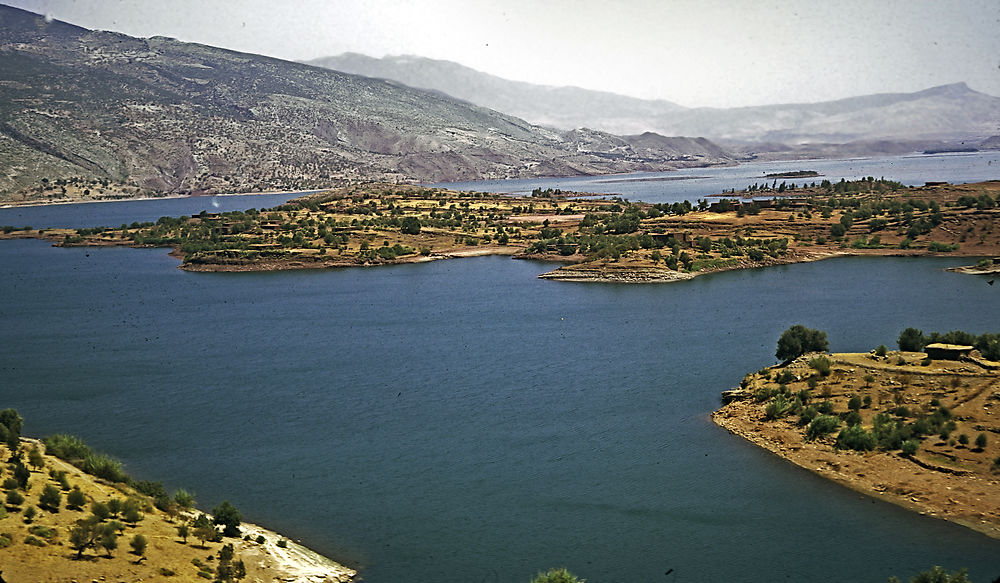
x: 694, y: 52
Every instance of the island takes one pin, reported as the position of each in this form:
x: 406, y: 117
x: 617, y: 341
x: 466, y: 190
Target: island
x: 78, y: 513
x: 917, y: 429
x: 606, y: 239
x: 794, y: 174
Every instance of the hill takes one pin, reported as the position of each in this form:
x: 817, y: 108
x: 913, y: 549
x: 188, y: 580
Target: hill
x: 898, y: 426
x: 39, y: 537
x: 82, y: 109
x: 949, y: 112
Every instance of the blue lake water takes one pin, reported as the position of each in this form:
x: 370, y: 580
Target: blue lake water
x: 115, y: 213
x: 465, y: 421
x: 694, y: 183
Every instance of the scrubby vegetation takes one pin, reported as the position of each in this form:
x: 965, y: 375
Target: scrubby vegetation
x: 914, y: 340
x: 382, y: 223
x: 53, y: 504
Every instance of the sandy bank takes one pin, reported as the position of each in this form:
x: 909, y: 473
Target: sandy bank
x: 292, y: 563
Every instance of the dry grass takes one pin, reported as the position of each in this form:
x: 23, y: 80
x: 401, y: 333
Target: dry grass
x: 167, y: 557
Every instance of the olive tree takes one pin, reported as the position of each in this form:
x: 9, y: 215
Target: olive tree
x: 799, y: 340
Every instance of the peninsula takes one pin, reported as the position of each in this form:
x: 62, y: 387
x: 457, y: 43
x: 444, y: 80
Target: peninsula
x: 602, y: 240
x: 900, y: 426
x: 61, y: 522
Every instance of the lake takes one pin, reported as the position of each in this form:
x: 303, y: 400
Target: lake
x: 465, y: 421
x: 694, y: 183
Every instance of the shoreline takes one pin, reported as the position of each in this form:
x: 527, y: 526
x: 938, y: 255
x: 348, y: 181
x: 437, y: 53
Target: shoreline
x: 14, y: 204
x: 929, y: 482
x: 266, y: 554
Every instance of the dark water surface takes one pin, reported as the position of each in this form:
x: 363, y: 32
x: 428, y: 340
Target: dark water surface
x: 464, y: 421
x: 114, y: 213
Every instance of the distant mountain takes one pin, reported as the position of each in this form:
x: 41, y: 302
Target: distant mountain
x: 169, y: 116
x: 950, y: 112
x: 565, y: 108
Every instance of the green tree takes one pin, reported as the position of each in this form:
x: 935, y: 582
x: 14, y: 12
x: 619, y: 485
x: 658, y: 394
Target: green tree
x: 799, y: 340
x: 560, y: 575
x: 50, y: 498
x: 410, y: 226
x: 936, y: 575
x: 100, y: 511
x: 981, y: 441
x: 11, y: 424
x: 228, y: 517
x: 75, y: 499
x: 35, y: 458
x: 183, y: 532
x: 203, y: 529
x: 911, y: 340
x: 21, y: 475
x: 83, y: 535
x: 108, y: 539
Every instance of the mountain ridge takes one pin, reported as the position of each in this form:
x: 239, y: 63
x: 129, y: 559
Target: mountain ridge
x: 946, y: 112
x: 158, y: 115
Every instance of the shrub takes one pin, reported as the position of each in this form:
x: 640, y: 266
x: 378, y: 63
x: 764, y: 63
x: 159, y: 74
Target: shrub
x: 822, y: 365
x: 826, y: 408
x: 854, y: 404
x: 42, y: 531
x: 138, y: 544
x: 14, y: 498
x: 855, y: 437
x: 183, y: 498
x: 777, y: 408
x: 910, y: 447
x: 35, y: 542
x: 881, y: 350
x: 166, y: 572
x: 5, y: 540
x: 261, y: 539
x: 785, y: 377
x: 821, y: 426
x: 556, y: 576
x: 981, y: 441
x: 963, y: 439
x: 807, y: 415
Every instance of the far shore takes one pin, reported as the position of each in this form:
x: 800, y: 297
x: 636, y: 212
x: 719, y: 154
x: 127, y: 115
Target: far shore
x: 38, y: 203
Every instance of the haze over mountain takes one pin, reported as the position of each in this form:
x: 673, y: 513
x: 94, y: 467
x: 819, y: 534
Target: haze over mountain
x: 950, y: 112
x: 169, y: 116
